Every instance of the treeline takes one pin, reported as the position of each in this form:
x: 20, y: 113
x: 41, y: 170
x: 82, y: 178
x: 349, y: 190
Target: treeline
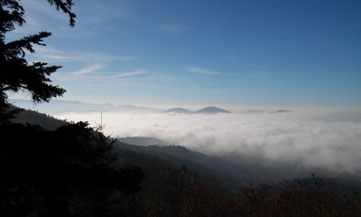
x: 183, y: 197
x: 170, y: 190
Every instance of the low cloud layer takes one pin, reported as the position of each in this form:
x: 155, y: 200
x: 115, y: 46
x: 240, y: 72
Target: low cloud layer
x: 306, y: 139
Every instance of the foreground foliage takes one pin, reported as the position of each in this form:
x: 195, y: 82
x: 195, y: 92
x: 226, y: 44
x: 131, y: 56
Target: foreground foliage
x: 66, y: 172
x: 316, y: 197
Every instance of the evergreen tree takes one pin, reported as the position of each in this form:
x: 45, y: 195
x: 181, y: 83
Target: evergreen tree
x: 16, y: 73
x: 70, y: 171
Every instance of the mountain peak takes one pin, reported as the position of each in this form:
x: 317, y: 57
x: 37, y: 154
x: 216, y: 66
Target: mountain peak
x: 281, y: 111
x: 178, y: 110
x: 212, y: 109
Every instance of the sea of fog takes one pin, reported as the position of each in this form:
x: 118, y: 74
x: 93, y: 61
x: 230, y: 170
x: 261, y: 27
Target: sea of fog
x: 310, y: 138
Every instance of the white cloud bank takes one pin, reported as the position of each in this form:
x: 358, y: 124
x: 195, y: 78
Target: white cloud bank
x: 296, y: 138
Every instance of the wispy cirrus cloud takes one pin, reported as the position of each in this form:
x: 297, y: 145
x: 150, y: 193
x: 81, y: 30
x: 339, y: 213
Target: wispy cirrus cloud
x: 130, y: 74
x: 202, y: 71
x: 91, y: 76
x: 85, y: 75
x: 54, y: 55
x: 91, y: 68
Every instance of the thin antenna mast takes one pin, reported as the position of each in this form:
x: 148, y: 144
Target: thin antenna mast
x: 101, y: 121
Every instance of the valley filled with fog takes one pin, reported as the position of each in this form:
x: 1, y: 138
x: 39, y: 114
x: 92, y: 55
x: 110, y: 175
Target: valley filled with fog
x: 180, y: 108
x: 305, y: 139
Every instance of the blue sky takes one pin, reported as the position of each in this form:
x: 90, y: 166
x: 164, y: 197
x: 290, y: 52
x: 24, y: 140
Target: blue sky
x: 255, y: 52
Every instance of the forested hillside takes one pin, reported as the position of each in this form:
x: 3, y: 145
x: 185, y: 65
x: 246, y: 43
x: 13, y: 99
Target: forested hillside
x: 35, y: 118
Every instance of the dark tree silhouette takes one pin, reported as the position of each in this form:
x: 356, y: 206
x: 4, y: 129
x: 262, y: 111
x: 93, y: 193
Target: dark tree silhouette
x: 54, y: 173
x: 16, y: 72
x: 70, y: 171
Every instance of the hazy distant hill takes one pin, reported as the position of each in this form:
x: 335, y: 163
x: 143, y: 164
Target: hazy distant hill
x: 212, y: 109
x: 223, y: 170
x: 179, y: 155
x: 179, y: 110
x: 35, y: 118
x: 281, y: 111
x: 62, y: 106
x: 56, y: 107
x: 226, y: 169
x: 205, y: 110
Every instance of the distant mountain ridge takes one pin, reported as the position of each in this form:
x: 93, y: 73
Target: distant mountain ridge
x: 281, y: 111
x: 62, y: 106
x: 212, y: 109
x: 56, y: 107
x: 205, y: 110
x: 178, y: 110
